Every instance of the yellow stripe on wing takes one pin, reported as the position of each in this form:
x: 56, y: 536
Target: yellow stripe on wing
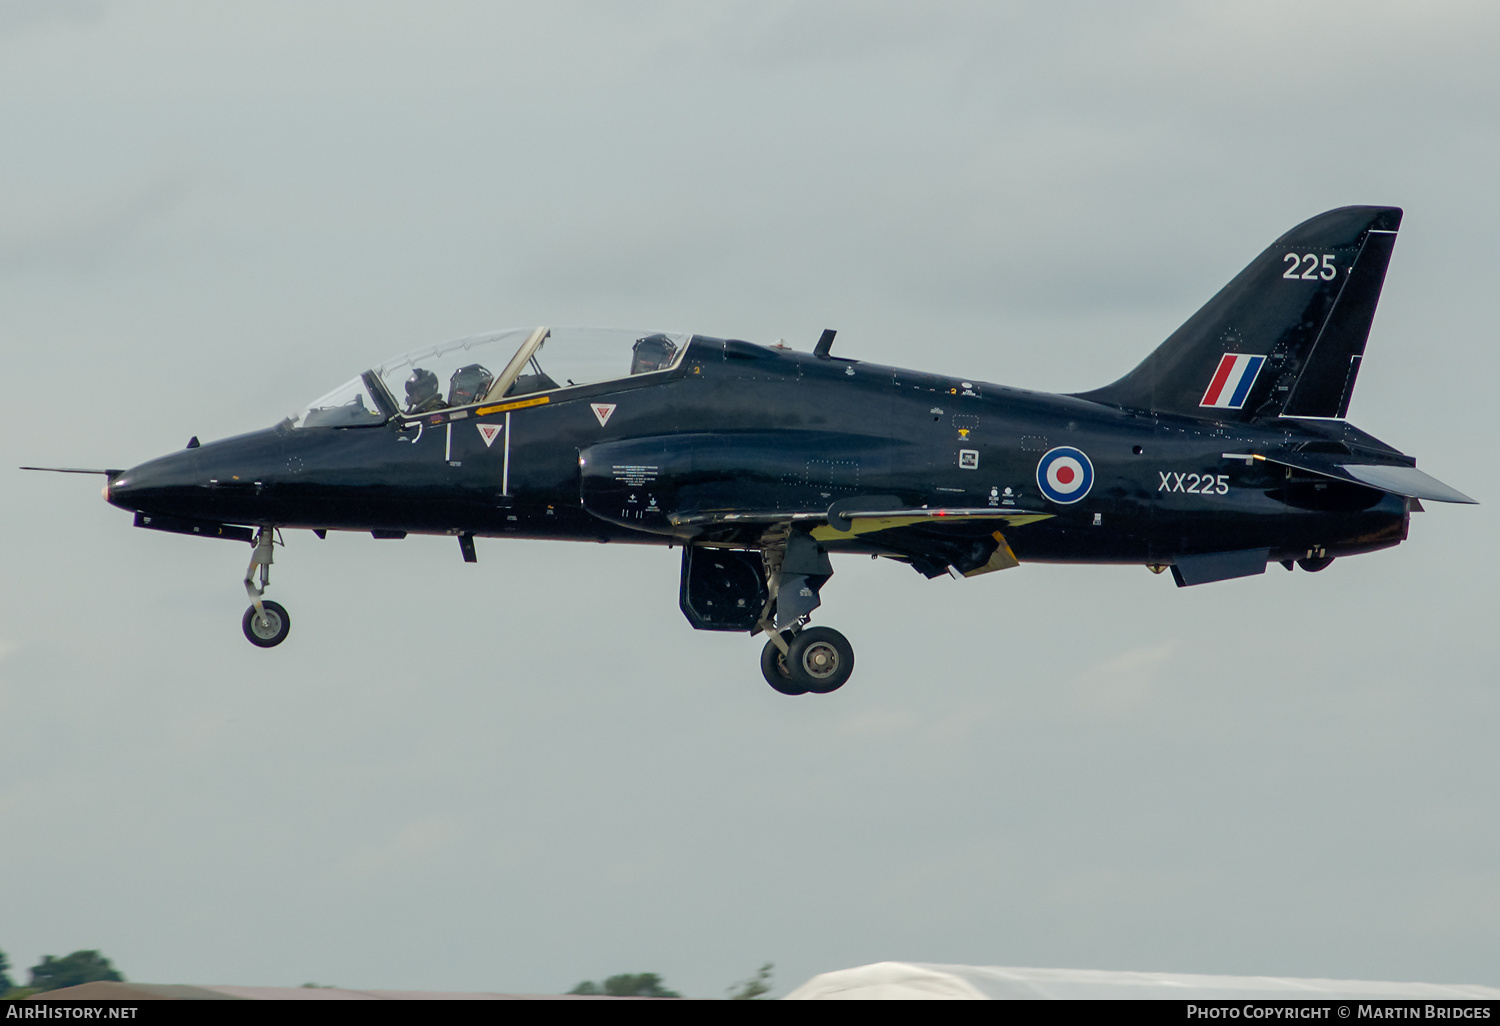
x: 869, y: 525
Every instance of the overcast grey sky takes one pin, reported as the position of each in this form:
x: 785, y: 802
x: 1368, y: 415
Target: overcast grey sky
x: 517, y: 775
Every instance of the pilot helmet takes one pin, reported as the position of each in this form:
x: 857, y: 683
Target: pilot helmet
x: 421, y: 386
x: 468, y: 385
x: 652, y: 353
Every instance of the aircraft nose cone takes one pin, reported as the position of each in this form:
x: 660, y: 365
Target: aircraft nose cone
x: 231, y: 480
x: 121, y: 491
x: 155, y: 486
x: 117, y: 490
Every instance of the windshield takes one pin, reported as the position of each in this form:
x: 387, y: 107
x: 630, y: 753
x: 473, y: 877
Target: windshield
x: 349, y: 405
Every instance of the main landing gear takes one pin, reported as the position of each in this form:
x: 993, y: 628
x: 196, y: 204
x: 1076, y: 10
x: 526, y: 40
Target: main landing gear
x: 797, y: 659
x: 265, y: 623
x: 771, y: 589
x: 814, y: 660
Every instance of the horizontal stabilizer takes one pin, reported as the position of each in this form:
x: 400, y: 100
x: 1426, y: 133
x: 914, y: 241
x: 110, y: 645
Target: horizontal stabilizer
x: 1397, y: 479
x: 1405, y: 481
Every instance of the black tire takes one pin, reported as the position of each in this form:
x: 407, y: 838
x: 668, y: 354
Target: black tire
x: 821, y: 660
x: 773, y: 668
x: 267, y: 635
x: 1315, y: 563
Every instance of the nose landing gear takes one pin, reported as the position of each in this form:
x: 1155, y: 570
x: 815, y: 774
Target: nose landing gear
x: 266, y: 623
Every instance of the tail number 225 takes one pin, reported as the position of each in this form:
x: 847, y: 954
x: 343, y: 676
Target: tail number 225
x: 1312, y: 270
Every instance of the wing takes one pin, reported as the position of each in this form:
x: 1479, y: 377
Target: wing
x: 965, y: 541
x: 707, y: 488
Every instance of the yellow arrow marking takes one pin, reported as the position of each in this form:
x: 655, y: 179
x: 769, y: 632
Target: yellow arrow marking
x: 485, y: 411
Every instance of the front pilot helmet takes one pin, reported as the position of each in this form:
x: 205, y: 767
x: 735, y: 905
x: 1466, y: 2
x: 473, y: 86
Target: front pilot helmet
x: 421, y: 386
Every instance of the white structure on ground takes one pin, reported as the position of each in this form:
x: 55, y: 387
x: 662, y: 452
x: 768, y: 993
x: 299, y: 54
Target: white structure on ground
x: 909, y: 980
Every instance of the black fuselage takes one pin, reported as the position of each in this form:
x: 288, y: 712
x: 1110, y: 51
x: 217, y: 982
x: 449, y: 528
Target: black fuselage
x: 737, y: 426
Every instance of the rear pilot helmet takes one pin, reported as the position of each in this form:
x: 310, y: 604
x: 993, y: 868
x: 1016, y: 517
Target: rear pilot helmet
x: 468, y: 385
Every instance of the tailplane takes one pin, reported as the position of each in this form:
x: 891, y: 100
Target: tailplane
x: 1284, y: 338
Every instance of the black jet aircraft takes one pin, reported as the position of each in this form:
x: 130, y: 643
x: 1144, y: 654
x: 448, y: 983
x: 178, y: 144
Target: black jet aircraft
x: 1225, y: 450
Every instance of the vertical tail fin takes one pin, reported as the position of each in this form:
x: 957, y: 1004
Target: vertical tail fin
x: 1284, y: 338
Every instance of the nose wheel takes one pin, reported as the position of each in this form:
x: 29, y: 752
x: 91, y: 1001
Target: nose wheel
x: 267, y: 627
x: 817, y: 660
x: 265, y: 623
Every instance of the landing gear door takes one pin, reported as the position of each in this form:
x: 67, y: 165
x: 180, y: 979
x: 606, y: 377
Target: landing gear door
x: 722, y: 589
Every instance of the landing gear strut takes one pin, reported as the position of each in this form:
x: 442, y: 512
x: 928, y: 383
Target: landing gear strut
x: 265, y: 623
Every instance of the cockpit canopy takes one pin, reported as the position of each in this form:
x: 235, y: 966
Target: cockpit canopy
x: 490, y: 367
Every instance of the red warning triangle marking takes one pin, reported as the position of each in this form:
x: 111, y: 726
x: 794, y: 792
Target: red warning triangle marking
x: 602, y: 411
x: 488, y: 433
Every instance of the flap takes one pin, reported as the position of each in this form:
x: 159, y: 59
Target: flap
x: 860, y: 521
x: 877, y: 520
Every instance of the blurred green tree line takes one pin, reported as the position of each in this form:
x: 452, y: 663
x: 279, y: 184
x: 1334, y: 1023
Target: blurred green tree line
x: 54, y: 973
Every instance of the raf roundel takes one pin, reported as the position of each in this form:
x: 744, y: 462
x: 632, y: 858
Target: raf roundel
x: 1065, y: 475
